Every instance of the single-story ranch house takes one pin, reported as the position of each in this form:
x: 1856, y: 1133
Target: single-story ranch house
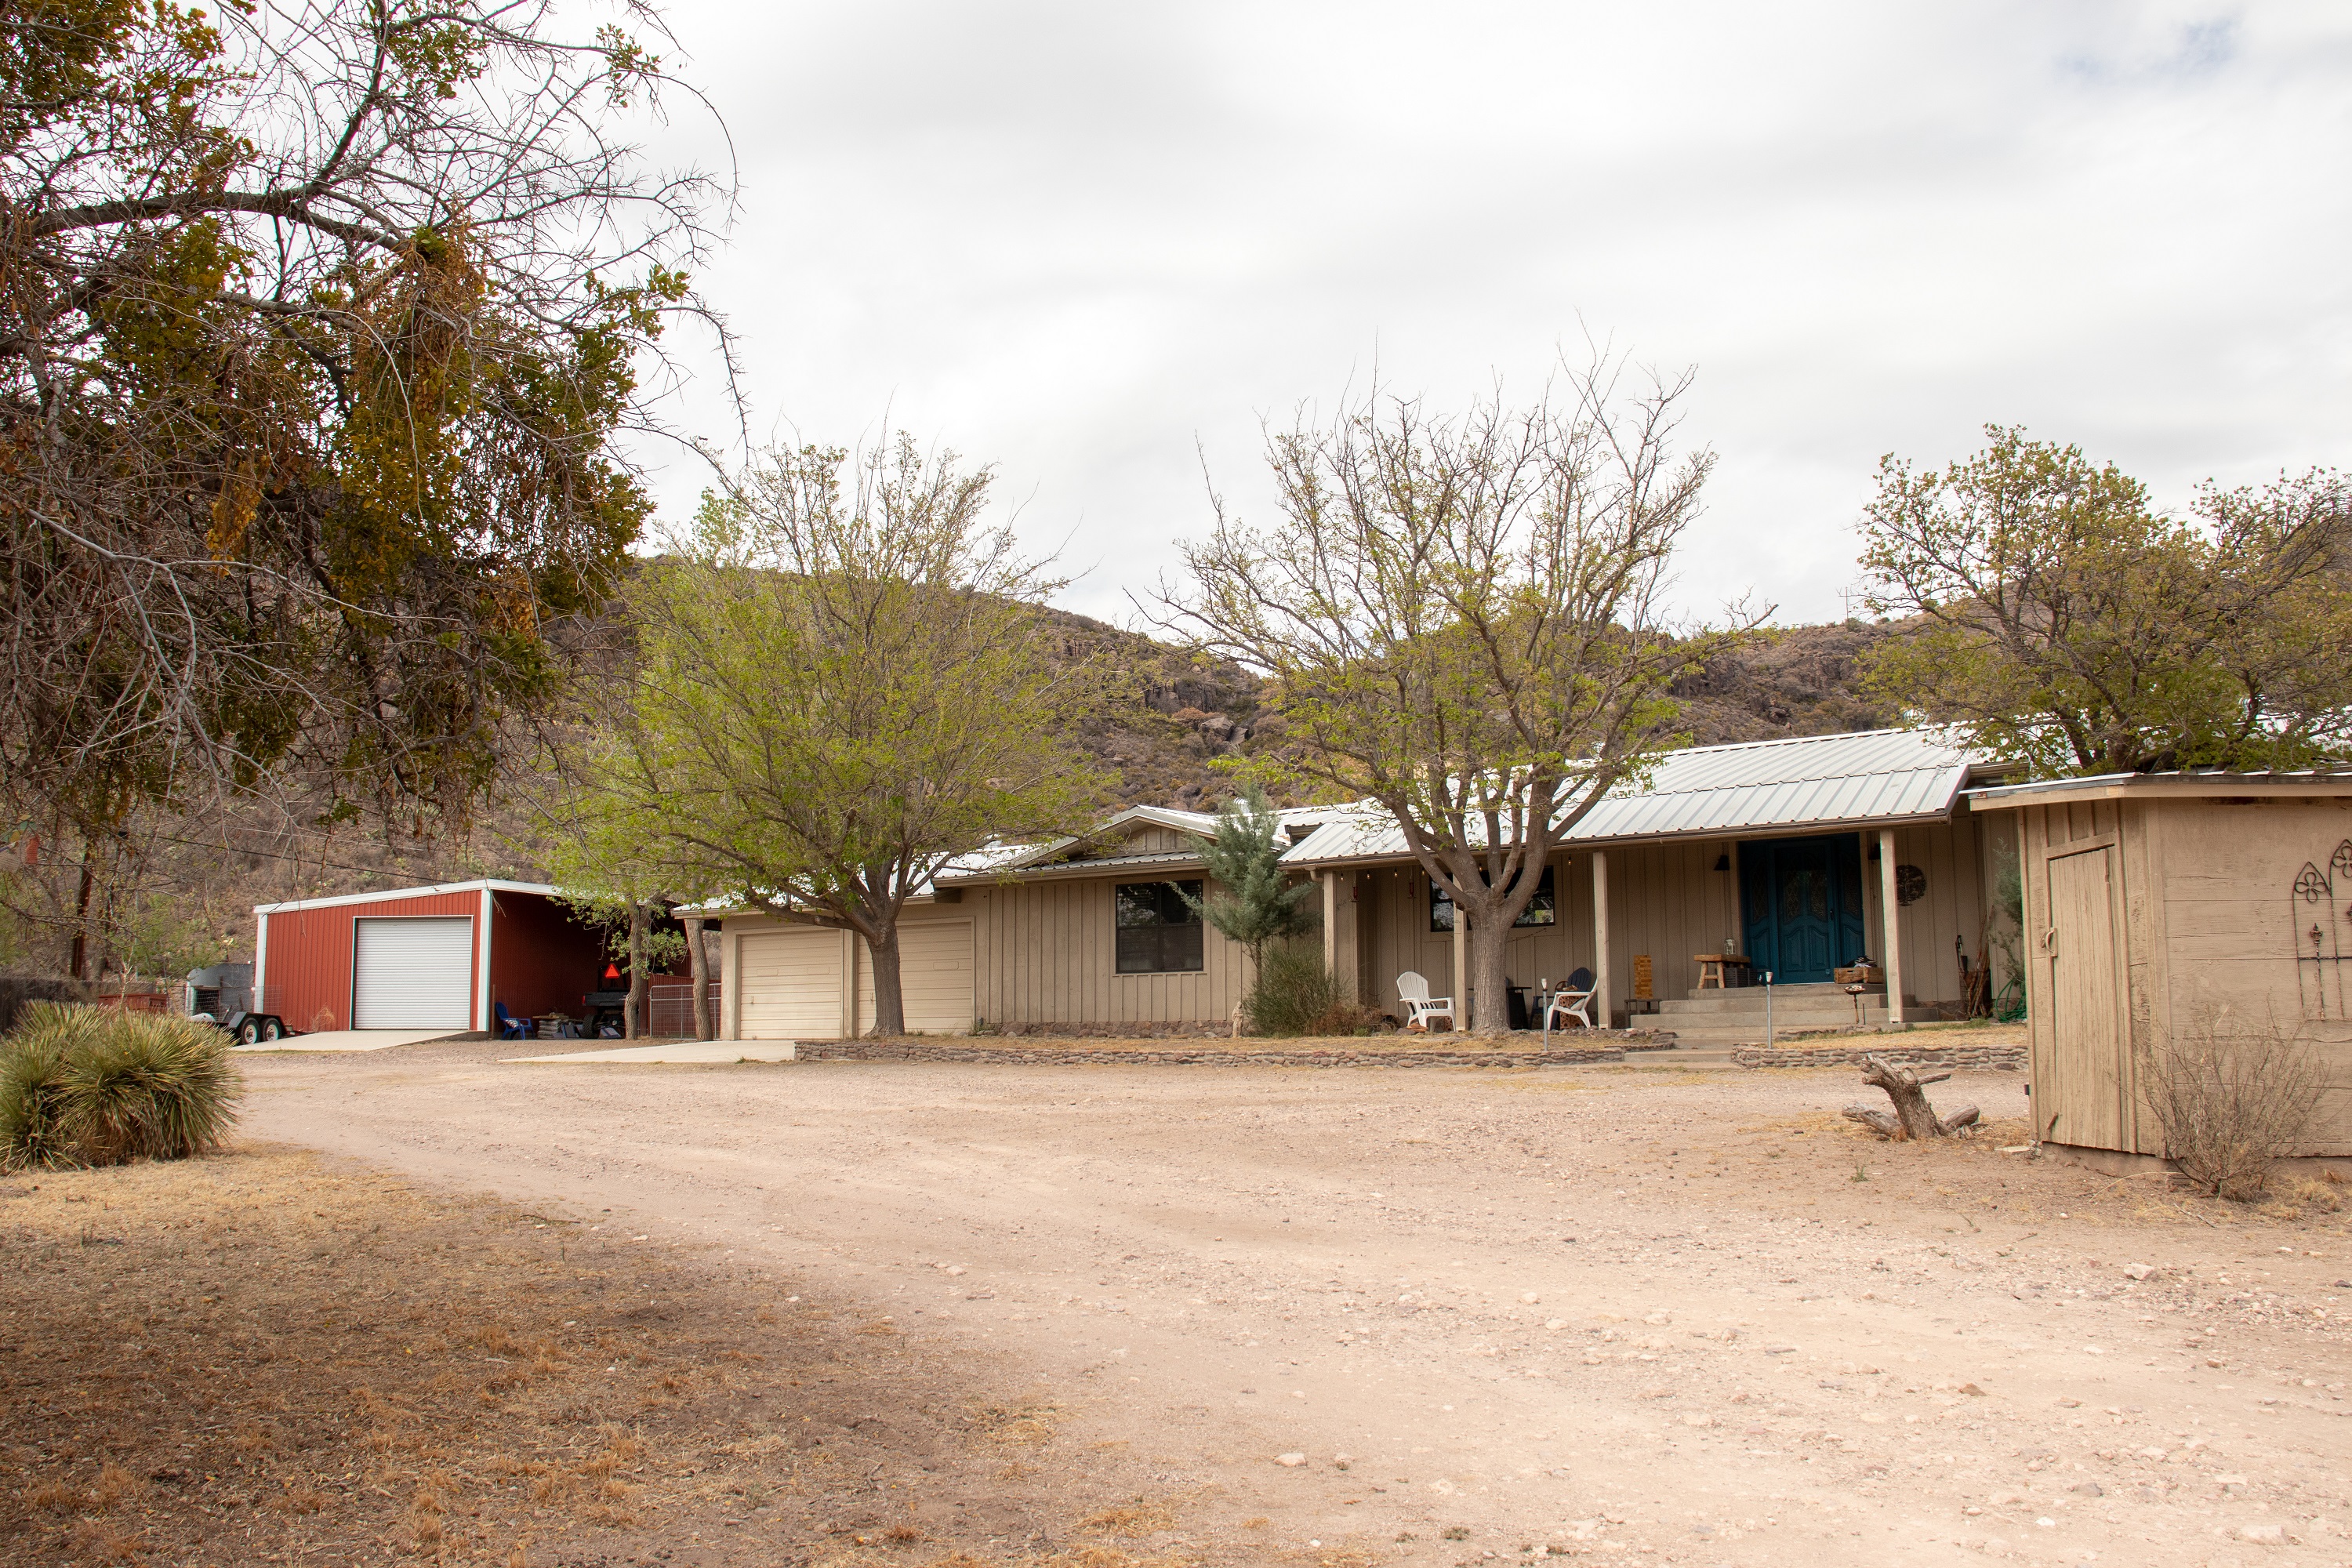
x: 1795, y: 857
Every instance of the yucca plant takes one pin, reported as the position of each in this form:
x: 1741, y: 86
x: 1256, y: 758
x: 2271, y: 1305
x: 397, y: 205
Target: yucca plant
x: 90, y: 1086
x: 35, y: 1107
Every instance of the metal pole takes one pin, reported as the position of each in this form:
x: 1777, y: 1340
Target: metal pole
x: 1768, y: 1009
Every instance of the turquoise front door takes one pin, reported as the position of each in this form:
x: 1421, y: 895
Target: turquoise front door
x: 1801, y: 900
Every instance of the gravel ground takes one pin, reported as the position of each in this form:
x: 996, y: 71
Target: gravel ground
x: 1359, y: 1315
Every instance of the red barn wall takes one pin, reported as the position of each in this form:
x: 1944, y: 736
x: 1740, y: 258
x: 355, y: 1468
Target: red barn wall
x: 307, y: 978
x: 541, y: 960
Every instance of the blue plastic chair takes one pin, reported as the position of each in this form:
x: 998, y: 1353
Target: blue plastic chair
x: 511, y: 1027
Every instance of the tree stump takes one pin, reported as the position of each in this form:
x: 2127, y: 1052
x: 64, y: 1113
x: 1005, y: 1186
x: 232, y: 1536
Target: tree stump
x: 1913, y: 1117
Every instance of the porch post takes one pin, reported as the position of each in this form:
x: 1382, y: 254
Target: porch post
x: 1330, y: 922
x: 1891, y: 920
x: 1607, y: 988
x: 1461, y: 986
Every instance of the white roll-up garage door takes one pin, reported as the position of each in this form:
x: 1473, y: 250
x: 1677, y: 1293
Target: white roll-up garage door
x: 413, y: 971
x: 934, y: 978
x: 789, y: 986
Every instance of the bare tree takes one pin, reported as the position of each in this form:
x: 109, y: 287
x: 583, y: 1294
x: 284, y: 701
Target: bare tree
x: 1463, y: 619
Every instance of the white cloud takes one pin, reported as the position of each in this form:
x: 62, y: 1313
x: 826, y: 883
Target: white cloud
x: 1074, y: 239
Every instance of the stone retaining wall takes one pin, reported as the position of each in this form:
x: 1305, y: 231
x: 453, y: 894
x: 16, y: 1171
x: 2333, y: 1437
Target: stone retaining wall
x: 1078, y: 1056
x: 1993, y: 1058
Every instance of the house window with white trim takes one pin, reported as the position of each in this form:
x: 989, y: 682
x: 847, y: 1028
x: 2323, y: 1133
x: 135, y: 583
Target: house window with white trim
x: 1158, y: 932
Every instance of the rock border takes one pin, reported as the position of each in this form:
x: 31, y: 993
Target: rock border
x: 1078, y: 1056
x: 1994, y: 1058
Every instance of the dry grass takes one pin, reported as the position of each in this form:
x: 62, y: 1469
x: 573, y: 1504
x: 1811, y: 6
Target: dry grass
x: 254, y: 1358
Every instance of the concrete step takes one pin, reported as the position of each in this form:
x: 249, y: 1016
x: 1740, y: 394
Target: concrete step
x: 1743, y: 998
x: 1749, y: 1035
x: 1782, y: 1018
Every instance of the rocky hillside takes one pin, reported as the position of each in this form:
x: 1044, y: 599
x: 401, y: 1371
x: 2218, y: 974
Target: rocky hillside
x: 1187, y: 712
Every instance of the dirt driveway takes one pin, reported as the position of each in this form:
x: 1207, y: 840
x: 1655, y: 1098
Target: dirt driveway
x: 1464, y: 1316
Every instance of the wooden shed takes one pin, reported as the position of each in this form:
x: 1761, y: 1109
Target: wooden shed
x: 2162, y: 903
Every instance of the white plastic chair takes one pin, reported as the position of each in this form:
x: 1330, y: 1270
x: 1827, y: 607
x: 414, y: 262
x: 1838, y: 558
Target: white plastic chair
x: 1420, y: 1007
x: 1569, y: 1002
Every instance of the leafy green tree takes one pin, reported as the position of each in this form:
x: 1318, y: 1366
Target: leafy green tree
x: 319, y: 326
x: 2066, y: 625
x: 846, y: 679
x: 1463, y: 619
x: 1251, y: 901
x: 607, y: 860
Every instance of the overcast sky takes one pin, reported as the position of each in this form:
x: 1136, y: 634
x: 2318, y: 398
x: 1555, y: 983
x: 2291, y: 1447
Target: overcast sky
x: 1077, y: 240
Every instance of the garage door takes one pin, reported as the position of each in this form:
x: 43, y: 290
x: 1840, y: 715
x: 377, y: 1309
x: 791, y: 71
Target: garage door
x: 934, y: 978
x: 413, y: 973
x: 791, y: 985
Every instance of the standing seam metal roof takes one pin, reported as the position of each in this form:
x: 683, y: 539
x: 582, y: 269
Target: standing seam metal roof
x: 1811, y: 781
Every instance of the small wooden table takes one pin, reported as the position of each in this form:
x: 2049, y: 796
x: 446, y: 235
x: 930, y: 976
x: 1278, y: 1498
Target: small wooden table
x: 1713, y: 966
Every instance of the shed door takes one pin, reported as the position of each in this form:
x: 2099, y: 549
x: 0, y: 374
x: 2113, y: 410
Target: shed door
x: 410, y: 972
x: 2083, y: 1103
x: 789, y: 984
x: 934, y: 978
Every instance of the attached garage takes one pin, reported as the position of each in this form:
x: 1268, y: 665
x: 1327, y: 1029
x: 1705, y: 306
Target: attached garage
x: 2160, y: 905
x: 806, y: 983
x: 934, y: 978
x: 790, y: 984
x: 413, y: 971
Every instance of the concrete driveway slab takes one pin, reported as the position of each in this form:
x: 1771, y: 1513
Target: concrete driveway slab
x: 354, y: 1040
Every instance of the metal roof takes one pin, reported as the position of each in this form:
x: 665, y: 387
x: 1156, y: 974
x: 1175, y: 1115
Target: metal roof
x: 1013, y: 860
x: 1875, y: 776
x: 2186, y: 785
x: 494, y: 884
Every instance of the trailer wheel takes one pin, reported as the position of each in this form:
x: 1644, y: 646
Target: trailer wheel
x: 248, y: 1033
x: 272, y: 1030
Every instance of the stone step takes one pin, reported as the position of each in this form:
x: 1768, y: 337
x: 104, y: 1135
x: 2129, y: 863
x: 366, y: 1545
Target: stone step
x: 1703, y: 1059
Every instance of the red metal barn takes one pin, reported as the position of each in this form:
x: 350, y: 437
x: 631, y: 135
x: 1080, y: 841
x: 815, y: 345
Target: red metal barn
x: 423, y: 958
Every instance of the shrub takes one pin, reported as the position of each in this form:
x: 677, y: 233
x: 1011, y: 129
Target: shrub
x: 1292, y: 989
x: 35, y: 1120
x: 2231, y: 1102
x: 90, y: 1086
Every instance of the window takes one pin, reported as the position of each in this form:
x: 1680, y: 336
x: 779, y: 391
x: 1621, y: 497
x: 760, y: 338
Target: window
x: 1158, y: 932
x: 1543, y: 909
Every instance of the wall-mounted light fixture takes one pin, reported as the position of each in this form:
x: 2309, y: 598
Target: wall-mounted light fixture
x: 1723, y: 861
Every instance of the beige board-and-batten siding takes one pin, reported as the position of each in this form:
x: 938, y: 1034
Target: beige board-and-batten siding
x: 793, y: 982
x: 2149, y: 920
x: 1047, y: 952
x: 1668, y: 901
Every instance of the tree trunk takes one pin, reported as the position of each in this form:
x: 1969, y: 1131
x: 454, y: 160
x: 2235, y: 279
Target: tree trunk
x: 701, y: 970
x: 80, y: 953
x: 633, y: 1020
x: 889, y: 1007
x: 1490, y: 939
x: 1913, y: 1117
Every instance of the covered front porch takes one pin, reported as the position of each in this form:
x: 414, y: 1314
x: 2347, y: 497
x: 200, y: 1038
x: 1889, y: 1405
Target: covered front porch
x: 1840, y: 847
